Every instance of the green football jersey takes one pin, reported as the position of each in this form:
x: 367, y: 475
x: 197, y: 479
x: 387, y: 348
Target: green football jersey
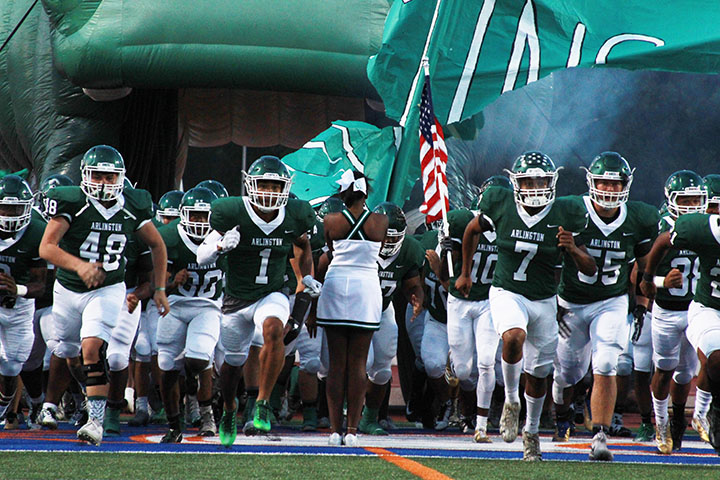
x: 700, y: 233
x: 204, y: 281
x: 484, y: 259
x: 687, y: 262
x: 403, y: 265
x: 317, y: 238
x: 96, y: 233
x: 527, y: 244
x: 19, y: 253
x: 614, y: 246
x: 258, y: 265
x: 435, y: 293
x: 137, y: 261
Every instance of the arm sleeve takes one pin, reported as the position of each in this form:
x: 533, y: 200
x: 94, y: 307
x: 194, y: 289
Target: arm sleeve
x: 207, y: 251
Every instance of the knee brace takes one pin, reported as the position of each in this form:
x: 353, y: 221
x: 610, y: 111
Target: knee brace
x: 100, y: 366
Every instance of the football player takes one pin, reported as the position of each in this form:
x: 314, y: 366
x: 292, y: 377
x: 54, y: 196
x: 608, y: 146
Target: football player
x: 169, y: 207
x: 86, y: 239
x: 594, y: 307
x: 22, y: 278
x: 674, y: 358
x: 699, y: 233
x: 189, y: 334
x: 401, y: 259
x: 214, y: 186
x: 532, y: 229
x: 712, y: 182
x: 256, y: 232
x: 470, y: 332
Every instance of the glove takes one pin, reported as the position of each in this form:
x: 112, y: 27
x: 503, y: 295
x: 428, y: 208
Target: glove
x: 638, y: 314
x: 446, y: 244
x: 312, y: 286
x: 230, y: 240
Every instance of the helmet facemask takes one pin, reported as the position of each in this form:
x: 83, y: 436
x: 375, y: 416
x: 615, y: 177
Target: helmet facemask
x: 264, y: 200
x: 603, y: 198
x: 677, y: 210
x: 393, y: 242
x: 195, y: 230
x: 20, y: 219
x: 534, y: 197
x: 102, y: 191
x: 170, y: 213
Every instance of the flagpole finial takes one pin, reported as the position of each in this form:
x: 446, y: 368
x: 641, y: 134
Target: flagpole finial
x: 426, y: 65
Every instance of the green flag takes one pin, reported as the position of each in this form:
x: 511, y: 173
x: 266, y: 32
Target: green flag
x: 479, y: 49
x: 318, y: 165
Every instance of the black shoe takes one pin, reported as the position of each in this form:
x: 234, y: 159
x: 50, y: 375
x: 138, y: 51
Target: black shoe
x: 714, y: 420
x: 677, y: 430
x: 172, y: 436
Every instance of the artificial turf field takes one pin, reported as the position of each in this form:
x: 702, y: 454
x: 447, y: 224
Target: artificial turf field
x: 406, y: 453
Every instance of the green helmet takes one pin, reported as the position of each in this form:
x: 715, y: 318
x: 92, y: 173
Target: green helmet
x: 196, y: 200
x: 169, y: 205
x: 50, y: 182
x: 685, y: 183
x: 712, y: 183
x: 609, y: 166
x: 268, y: 168
x: 216, y: 187
x: 397, y: 226
x: 534, y: 165
x: 16, y: 200
x: 102, y: 158
x: 495, y: 181
x: 330, y: 205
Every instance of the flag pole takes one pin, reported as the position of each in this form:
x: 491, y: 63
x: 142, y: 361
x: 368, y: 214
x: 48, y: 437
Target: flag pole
x: 436, y: 164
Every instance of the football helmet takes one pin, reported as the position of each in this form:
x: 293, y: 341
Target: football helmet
x: 169, y: 204
x: 198, y: 199
x: 330, y: 205
x: 397, y: 226
x: 216, y: 187
x: 685, y: 183
x: 712, y: 184
x: 16, y: 200
x: 106, y: 159
x: 495, y: 181
x: 268, y: 168
x: 609, y: 166
x: 533, y: 165
x: 50, y: 182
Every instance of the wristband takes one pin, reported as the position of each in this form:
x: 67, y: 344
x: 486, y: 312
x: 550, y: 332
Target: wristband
x: 659, y: 282
x: 648, y: 277
x: 159, y: 289
x: 21, y: 290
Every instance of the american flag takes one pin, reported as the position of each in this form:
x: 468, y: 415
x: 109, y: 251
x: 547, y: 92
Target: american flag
x: 433, y: 159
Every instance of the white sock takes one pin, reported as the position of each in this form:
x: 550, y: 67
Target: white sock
x: 481, y: 422
x: 39, y: 400
x: 141, y: 403
x: 96, y: 408
x: 511, y: 374
x: 661, y: 410
x: 702, y: 402
x: 534, y: 411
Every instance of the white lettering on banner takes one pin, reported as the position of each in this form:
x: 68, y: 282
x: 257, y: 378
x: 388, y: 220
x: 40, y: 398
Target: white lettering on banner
x: 526, y: 33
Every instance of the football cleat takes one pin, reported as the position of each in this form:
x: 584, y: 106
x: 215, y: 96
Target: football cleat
x: 645, y: 433
x: 617, y: 429
x: 702, y: 427
x: 228, y: 427
x: 509, y: 421
x: 443, y: 419
x: 450, y: 376
x: 335, y: 440
x: 677, y: 430
x: 159, y: 417
x: 261, y: 421
x: 323, y: 422
x: 91, y: 432
x: 172, y: 436
x: 32, y: 419
x: 714, y: 421
x: 370, y: 428
x: 468, y: 424
x: 111, y: 423
x: 663, y: 439
x: 141, y: 419
x: 481, y: 436
x: 599, y: 450
x: 563, y: 431
x: 207, y: 424
x: 531, y: 447
x: 11, y: 421
x: 310, y: 419
x: 388, y: 424
x: 192, y: 411
x: 48, y: 418
x: 80, y: 416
